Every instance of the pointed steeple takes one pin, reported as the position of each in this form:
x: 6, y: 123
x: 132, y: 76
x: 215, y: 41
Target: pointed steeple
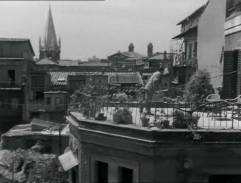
x: 49, y: 47
x: 50, y: 34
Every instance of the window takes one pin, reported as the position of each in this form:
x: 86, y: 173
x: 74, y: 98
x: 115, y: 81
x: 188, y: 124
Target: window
x: 101, y: 172
x: 225, y: 179
x: 39, y: 95
x: 11, y: 76
x: 125, y: 175
x: 57, y: 100
x: 48, y: 100
x: 190, y: 51
x: 74, y: 175
x: 195, y: 49
x: 14, y: 103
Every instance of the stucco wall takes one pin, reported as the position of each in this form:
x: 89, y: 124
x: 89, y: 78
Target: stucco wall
x: 164, y: 156
x: 211, y: 39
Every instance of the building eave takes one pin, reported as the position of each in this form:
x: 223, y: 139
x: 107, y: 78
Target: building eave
x: 181, y: 35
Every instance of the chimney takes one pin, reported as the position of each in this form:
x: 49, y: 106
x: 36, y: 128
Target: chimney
x: 131, y: 47
x: 150, y: 50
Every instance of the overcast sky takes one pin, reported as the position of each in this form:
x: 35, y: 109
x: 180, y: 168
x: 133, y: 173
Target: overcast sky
x: 92, y: 28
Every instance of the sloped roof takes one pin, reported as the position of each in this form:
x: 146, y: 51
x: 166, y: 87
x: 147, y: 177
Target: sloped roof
x: 69, y: 63
x: 39, y: 124
x: 189, y: 31
x: 133, y: 54
x: 125, y: 78
x: 159, y: 56
x: 94, y: 64
x: 130, y: 55
x: 196, y: 13
x: 60, y: 78
x: 46, y: 61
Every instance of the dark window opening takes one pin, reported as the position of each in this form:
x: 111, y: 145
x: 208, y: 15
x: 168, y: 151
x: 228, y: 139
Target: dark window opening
x: 39, y: 96
x: 48, y: 100
x: 101, y: 172
x: 11, y: 77
x: 225, y: 179
x: 195, y: 49
x: 190, y: 51
x: 58, y: 101
x: 125, y: 175
x: 74, y: 175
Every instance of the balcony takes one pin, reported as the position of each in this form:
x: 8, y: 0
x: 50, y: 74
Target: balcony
x: 180, y: 60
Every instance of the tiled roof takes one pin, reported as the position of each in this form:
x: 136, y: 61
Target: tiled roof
x: 133, y: 55
x: 60, y: 78
x: 125, y: 78
x: 46, y: 61
x: 159, y: 56
x: 94, y: 64
x: 130, y: 55
x: 81, y: 63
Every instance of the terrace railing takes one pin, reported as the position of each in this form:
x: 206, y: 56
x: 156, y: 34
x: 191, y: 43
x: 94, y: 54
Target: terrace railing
x: 216, y: 114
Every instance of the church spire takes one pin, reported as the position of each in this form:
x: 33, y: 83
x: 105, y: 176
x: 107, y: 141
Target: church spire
x: 50, y: 34
x: 50, y: 47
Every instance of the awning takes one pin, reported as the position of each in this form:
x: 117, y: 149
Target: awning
x: 193, y: 29
x: 68, y: 160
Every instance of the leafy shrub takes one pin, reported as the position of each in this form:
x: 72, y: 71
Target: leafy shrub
x: 144, y: 120
x: 122, y: 116
x: 198, y: 88
x: 183, y: 120
x: 165, y: 124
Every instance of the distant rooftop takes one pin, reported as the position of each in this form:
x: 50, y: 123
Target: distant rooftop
x: 130, y: 55
x: 160, y: 56
x: 46, y: 61
x: 69, y: 63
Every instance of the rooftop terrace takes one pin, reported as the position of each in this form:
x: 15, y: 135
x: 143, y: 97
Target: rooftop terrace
x: 152, y: 134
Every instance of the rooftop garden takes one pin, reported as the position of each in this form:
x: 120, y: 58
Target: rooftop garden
x: 199, y: 108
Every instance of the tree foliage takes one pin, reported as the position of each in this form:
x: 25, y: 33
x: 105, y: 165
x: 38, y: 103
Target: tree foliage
x: 88, y: 100
x: 198, y: 88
